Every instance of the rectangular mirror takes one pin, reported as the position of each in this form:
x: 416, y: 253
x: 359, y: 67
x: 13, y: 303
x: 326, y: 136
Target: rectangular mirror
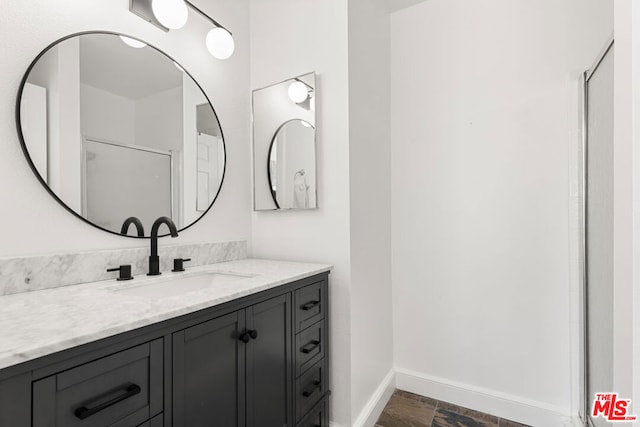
x: 284, y: 145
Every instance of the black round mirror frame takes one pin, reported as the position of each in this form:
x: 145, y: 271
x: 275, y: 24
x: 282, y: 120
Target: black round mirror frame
x: 37, y: 173
x: 273, y: 143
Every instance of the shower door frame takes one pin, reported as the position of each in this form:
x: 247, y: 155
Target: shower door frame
x: 584, y: 410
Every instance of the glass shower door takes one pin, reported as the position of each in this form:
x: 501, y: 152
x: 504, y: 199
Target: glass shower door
x: 599, y: 231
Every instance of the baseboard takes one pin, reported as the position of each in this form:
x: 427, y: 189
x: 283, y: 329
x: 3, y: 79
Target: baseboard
x: 374, y: 407
x: 574, y: 422
x: 514, y: 408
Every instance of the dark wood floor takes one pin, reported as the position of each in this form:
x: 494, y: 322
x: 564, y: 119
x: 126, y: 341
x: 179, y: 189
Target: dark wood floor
x: 411, y: 410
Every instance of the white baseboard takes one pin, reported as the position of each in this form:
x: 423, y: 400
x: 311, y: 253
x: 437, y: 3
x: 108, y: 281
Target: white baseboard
x: 574, y: 422
x: 374, y: 407
x: 503, y: 405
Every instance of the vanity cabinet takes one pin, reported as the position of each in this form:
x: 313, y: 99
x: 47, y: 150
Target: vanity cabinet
x: 234, y: 370
x: 257, y: 361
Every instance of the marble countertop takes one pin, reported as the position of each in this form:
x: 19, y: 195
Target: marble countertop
x: 35, y: 324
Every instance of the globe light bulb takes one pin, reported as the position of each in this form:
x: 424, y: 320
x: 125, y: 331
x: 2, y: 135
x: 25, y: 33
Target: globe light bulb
x: 132, y: 42
x: 220, y: 43
x: 298, y: 92
x: 172, y: 14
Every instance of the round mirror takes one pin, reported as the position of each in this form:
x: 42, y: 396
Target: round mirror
x: 115, y: 129
x: 291, y: 167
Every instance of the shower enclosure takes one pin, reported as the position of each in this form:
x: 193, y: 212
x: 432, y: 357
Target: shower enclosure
x: 598, y: 230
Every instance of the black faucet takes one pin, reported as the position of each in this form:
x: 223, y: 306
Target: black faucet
x: 135, y: 221
x: 154, y: 259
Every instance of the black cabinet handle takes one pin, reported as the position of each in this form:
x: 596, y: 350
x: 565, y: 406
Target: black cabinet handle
x: 310, y: 346
x: 308, y: 306
x: 248, y: 336
x: 131, y: 390
x: 308, y: 392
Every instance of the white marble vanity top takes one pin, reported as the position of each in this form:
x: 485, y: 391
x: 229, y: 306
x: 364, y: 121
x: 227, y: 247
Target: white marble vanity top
x: 35, y: 324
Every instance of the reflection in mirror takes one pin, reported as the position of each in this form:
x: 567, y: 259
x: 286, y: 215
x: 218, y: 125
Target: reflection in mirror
x: 284, y: 127
x: 292, y: 168
x: 116, y: 131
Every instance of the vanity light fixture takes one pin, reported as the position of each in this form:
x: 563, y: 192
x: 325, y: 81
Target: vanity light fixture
x: 173, y: 14
x: 132, y: 42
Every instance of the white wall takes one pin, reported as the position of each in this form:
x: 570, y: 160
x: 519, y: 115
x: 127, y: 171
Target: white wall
x: 31, y: 222
x: 370, y: 208
x: 626, y: 192
x: 484, y: 127
x: 97, y: 104
x: 631, y: 33
x: 290, y: 38
x: 159, y: 121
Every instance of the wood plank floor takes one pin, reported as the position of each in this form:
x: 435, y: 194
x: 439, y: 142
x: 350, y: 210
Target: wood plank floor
x: 411, y: 410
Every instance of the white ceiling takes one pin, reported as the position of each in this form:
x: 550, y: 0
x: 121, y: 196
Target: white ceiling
x: 109, y: 64
x: 396, y: 5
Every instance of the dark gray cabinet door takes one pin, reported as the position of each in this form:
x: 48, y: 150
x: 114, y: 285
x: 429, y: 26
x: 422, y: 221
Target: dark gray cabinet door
x: 269, y: 364
x: 209, y: 374
x: 15, y: 401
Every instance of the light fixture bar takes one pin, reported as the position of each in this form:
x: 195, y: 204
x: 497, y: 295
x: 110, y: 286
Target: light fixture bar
x: 204, y: 15
x: 143, y: 9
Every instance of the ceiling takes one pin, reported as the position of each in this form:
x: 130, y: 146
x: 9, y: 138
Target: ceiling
x: 108, y: 64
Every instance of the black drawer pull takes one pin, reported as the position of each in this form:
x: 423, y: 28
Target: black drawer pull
x: 310, y: 346
x: 308, y: 392
x: 308, y: 306
x: 130, y: 390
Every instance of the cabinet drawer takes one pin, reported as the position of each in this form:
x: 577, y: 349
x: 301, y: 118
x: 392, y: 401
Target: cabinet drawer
x: 310, y: 345
x: 120, y: 390
x: 157, y: 421
x: 318, y: 416
x: 310, y: 388
x: 310, y: 305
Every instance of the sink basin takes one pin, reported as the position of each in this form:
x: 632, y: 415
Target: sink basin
x: 182, y: 285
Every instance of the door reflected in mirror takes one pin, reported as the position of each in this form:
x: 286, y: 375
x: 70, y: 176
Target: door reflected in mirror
x: 284, y: 145
x: 115, y: 131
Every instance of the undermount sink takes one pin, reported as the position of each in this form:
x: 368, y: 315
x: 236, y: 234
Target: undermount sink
x: 182, y: 285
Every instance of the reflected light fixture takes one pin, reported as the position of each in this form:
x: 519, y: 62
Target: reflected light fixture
x: 132, y: 42
x: 173, y: 14
x: 298, y: 91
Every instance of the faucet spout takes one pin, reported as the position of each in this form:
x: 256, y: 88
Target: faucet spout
x: 127, y: 224
x: 154, y: 259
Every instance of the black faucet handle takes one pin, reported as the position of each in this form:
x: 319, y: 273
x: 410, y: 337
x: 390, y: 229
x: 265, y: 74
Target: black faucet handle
x: 178, y: 264
x: 125, y: 272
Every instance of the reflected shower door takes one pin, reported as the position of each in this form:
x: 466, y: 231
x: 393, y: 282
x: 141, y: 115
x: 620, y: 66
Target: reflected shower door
x: 122, y: 181
x: 599, y: 231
